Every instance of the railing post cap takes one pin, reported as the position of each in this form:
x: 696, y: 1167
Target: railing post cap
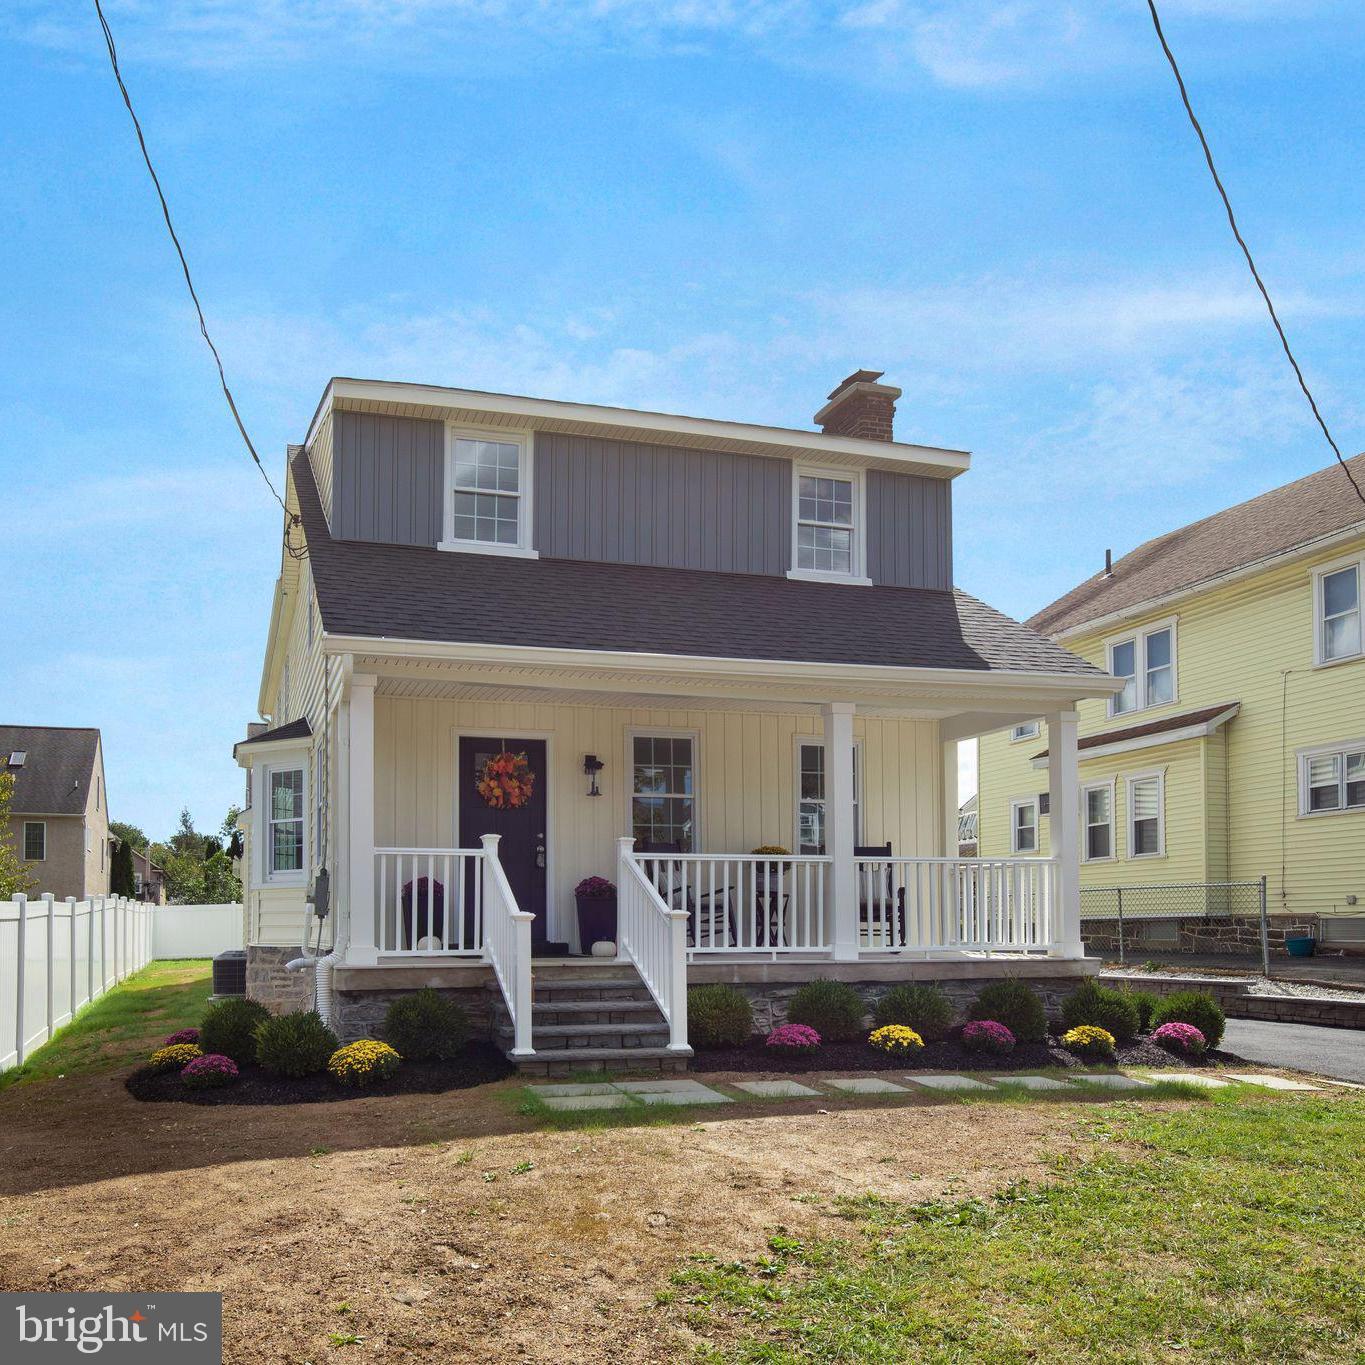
x: 490, y: 843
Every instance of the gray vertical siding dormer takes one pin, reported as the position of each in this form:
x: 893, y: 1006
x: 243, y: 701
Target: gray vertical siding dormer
x: 670, y: 507
x: 909, y: 530
x: 388, y: 478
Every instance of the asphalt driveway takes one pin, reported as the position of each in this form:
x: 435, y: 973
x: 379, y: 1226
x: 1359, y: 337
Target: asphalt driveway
x: 1336, y: 1052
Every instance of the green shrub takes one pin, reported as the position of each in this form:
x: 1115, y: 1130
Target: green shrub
x: 923, y: 1008
x: 426, y: 1026
x: 1111, y: 1010
x: 1015, y: 1004
x: 1192, y: 1007
x: 718, y: 1016
x: 1145, y: 1002
x: 297, y: 1044
x: 229, y: 1028
x: 832, y: 1008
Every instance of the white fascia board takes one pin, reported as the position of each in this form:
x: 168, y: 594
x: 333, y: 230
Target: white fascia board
x: 1129, y: 746
x: 930, y: 459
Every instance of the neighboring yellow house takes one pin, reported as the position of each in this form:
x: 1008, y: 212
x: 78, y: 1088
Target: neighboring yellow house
x: 1237, y: 750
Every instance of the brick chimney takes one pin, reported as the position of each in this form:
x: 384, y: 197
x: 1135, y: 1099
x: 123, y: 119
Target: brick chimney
x: 861, y: 407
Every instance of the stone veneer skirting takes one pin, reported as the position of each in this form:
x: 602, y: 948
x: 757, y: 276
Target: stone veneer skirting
x: 268, y: 982
x: 1197, y: 934
x: 1233, y: 994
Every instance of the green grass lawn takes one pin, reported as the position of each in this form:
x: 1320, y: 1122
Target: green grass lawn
x: 1226, y: 1231
x: 124, y: 1024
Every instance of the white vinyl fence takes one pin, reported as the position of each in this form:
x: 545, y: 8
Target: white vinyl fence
x: 56, y: 956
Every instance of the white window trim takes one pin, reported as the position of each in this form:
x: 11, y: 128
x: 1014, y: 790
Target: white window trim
x: 860, y: 811
x: 1015, y: 806
x: 1111, y: 786
x: 662, y: 732
x: 42, y: 824
x: 1305, y: 756
x: 1321, y: 571
x: 855, y: 477
x: 1034, y: 731
x: 1138, y: 638
x: 1130, y: 779
x: 284, y: 762
x: 525, y: 442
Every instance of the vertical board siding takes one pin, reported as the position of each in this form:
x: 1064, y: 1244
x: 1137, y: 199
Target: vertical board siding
x: 320, y: 458
x: 909, y: 530
x: 629, y: 503
x: 388, y: 478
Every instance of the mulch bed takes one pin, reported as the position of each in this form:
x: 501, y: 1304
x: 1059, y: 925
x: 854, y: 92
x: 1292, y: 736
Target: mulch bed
x: 480, y: 1064
x: 946, y: 1055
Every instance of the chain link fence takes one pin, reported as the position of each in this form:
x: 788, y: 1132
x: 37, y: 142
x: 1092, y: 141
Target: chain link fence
x: 1177, y: 917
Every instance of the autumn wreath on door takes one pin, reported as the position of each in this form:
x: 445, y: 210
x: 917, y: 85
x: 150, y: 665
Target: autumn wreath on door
x: 506, y: 781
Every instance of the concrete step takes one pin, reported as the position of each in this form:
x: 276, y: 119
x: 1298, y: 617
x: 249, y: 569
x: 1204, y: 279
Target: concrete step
x: 591, y: 1035
x: 541, y: 1008
x: 567, y: 1061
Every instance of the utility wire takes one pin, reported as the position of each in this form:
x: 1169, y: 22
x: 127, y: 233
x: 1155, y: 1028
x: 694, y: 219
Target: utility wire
x: 1246, y: 251
x: 297, y: 552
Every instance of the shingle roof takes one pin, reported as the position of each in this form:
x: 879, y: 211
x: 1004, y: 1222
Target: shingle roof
x: 1156, y: 727
x: 293, y: 729
x: 1283, y: 519
x: 56, y: 774
x: 415, y: 593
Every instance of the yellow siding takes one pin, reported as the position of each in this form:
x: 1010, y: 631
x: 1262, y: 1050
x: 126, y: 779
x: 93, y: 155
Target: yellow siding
x: 1250, y: 641
x: 745, y: 779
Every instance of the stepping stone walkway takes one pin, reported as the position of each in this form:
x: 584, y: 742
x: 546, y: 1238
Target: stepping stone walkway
x: 673, y: 1092
x: 1114, y: 1080
x: 1270, y: 1082
x: 566, y: 1102
x: 865, y: 1085
x: 1189, y: 1078
x: 622, y: 1094
x: 779, y: 1090
x: 949, y: 1082
x: 1032, y: 1082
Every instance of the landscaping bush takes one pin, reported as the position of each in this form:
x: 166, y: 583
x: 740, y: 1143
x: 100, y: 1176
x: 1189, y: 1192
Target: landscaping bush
x: 427, y: 1026
x: 1183, y: 1039
x: 1015, y: 1004
x: 173, y: 1057
x: 297, y: 1044
x: 1108, y: 1009
x: 793, y: 1038
x: 1091, y: 1042
x: 896, y: 1040
x: 832, y: 1008
x: 988, y: 1036
x: 364, y: 1063
x: 923, y: 1008
x: 718, y: 1016
x: 1192, y: 1007
x: 229, y: 1028
x: 184, y: 1035
x: 1145, y: 1002
x: 209, y: 1072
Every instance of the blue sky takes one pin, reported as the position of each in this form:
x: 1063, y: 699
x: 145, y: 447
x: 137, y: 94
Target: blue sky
x: 717, y: 207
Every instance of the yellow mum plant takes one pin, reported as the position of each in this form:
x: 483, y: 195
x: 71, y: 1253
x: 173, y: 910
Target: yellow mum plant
x: 175, y: 1056
x: 897, y: 1040
x: 1089, y: 1040
x: 363, y: 1063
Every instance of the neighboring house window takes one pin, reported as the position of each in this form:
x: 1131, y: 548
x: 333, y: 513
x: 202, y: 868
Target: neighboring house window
x: 35, y: 841
x: 1338, y: 625
x: 1332, y: 779
x: 810, y: 804
x: 663, y: 803
x: 1146, y: 815
x: 1146, y: 663
x: 488, y: 494
x: 827, y: 537
x: 1030, y: 729
x: 1097, y: 804
x: 1024, y: 826
x: 284, y: 838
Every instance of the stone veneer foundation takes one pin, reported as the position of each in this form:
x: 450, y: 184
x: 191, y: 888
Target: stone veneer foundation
x: 267, y: 981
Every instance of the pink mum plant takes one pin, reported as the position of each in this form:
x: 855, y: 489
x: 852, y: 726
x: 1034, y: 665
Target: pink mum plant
x: 793, y: 1038
x: 985, y: 1035
x: 1184, y: 1039
x: 209, y: 1071
x: 184, y: 1035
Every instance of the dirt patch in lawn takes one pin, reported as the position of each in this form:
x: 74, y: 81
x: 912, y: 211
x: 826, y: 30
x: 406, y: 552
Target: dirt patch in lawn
x: 435, y: 1227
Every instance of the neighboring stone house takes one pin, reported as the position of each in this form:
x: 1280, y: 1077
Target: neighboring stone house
x: 59, y: 815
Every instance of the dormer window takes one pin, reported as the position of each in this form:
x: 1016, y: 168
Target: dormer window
x: 827, y: 531
x: 488, y: 493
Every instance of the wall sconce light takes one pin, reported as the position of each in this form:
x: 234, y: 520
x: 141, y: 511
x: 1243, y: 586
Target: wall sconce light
x: 592, y: 765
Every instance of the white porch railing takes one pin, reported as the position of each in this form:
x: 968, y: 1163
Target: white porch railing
x: 745, y: 903
x: 507, y: 945
x: 430, y: 901
x: 930, y: 905
x: 654, y: 937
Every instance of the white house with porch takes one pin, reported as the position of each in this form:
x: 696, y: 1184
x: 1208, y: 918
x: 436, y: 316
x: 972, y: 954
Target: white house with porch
x: 519, y: 643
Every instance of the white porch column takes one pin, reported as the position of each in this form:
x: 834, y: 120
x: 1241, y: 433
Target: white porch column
x: 360, y: 810
x: 952, y: 798
x: 1064, y: 825
x: 843, y: 881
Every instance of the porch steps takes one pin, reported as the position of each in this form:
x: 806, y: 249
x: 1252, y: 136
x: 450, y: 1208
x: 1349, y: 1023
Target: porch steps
x: 598, y: 1018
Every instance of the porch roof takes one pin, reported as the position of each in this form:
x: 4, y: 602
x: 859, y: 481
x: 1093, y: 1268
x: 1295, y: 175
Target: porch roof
x: 416, y: 593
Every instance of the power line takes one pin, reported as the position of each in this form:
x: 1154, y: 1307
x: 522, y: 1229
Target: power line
x: 297, y: 552
x: 1246, y: 251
